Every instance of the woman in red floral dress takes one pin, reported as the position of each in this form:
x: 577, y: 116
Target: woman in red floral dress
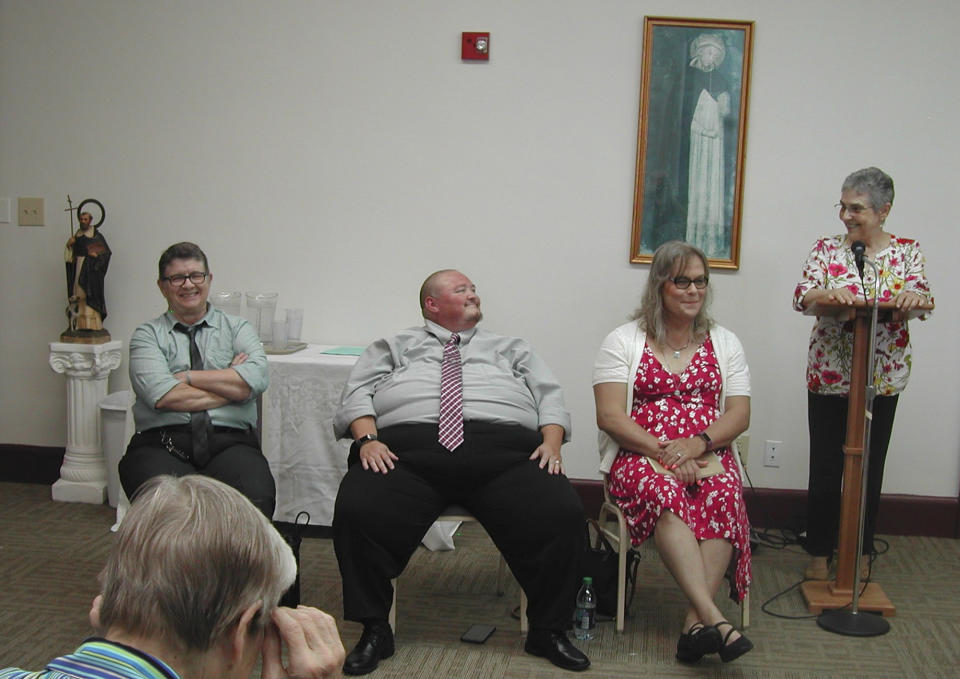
x: 673, y: 388
x: 830, y: 274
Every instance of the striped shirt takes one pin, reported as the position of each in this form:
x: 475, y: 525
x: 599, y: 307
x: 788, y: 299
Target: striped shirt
x: 99, y: 659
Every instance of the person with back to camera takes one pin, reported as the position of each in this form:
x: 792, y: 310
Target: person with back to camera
x: 197, y: 373
x: 190, y: 591
x: 830, y: 274
x: 672, y: 387
x: 448, y: 413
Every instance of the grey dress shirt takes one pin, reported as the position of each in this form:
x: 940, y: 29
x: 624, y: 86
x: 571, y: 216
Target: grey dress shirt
x: 157, y: 351
x: 397, y: 381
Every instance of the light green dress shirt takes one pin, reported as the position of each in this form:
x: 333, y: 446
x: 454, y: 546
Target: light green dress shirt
x: 157, y: 352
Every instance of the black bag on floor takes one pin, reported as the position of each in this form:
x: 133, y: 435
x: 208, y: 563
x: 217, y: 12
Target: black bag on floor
x: 293, y: 536
x: 599, y: 561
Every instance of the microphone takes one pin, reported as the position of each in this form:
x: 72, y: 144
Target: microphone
x: 858, y: 248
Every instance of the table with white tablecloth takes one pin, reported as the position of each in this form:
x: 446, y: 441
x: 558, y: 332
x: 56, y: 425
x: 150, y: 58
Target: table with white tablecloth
x: 297, y: 431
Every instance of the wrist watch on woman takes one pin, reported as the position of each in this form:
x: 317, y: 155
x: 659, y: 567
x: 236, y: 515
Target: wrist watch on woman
x: 707, y: 440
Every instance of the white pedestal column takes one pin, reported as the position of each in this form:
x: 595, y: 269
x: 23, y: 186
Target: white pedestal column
x: 83, y: 476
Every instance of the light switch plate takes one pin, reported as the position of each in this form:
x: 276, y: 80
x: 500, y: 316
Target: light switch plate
x: 30, y: 211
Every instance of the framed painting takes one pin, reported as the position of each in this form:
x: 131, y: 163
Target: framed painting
x: 694, y: 91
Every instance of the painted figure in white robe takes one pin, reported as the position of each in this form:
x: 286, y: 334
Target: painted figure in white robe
x: 706, y: 227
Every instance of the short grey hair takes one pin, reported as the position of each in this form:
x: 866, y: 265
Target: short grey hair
x: 191, y: 556
x: 873, y: 182
x: 668, y: 261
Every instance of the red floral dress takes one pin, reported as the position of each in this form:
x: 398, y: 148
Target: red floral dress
x: 673, y: 406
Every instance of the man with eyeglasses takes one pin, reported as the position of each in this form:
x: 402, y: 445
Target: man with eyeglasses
x: 197, y: 373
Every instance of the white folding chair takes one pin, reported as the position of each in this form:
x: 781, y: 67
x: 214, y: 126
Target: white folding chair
x: 620, y: 537
x: 458, y: 513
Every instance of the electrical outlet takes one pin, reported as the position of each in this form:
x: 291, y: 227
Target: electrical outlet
x: 772, y: 453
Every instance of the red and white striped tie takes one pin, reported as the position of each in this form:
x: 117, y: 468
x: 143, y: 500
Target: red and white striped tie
x: 451, y: 395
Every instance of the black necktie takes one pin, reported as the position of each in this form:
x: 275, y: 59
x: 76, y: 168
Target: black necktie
x: 199, y: 420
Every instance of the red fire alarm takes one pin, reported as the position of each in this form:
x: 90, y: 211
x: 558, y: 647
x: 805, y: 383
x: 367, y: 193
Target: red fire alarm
x: 475, y: 46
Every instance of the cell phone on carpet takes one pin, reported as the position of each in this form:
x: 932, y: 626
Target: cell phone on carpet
x: 477, y: 634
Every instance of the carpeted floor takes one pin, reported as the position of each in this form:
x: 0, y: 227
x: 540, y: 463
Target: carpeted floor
x: 50, y: 554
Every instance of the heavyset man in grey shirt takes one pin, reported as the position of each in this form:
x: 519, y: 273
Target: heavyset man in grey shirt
x: 508, y: 470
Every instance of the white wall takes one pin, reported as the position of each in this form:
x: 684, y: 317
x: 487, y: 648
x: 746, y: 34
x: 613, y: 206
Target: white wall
x: 338, y: 151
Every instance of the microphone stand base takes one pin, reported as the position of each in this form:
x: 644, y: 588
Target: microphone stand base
x: 824, y: 595
x: 848, y: 623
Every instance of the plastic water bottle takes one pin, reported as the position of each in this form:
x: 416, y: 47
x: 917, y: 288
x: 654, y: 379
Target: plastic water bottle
x: 585, y: 619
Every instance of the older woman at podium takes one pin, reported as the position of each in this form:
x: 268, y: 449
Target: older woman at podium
x: 672, y: 392
x: 831, y: 274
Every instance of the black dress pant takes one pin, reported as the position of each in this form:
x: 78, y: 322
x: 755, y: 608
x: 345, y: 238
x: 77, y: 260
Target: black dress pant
x: 827, y: 421
x: 235, y: 459
x: 534, y: 518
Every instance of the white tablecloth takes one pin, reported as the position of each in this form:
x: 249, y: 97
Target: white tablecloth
x: 297, y: 430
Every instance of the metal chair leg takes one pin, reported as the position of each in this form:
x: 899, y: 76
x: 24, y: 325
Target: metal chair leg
x: 455, y: 513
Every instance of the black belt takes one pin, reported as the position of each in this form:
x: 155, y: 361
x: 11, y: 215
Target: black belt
x: 185, y: 429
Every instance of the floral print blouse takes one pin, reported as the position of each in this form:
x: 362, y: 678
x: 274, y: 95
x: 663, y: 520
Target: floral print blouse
x: 831, y: 265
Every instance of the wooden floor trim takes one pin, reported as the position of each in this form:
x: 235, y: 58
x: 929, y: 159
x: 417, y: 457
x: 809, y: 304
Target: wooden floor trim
x: 915, y: 515
x: 30, y: 464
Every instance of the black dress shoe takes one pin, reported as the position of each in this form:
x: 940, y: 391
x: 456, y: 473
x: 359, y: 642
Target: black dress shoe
x: 733, y: 650
x: 376, y: 643
x: 698, y: 642
x: 555, y: 647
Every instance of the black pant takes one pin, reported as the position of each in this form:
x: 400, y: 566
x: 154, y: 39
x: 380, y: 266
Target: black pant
x: 534, y: 518
x: 235, y: 459
x: 827, y: 421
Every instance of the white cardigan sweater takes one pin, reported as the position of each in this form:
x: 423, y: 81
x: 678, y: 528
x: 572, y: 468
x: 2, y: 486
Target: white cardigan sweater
x: 619, y: 358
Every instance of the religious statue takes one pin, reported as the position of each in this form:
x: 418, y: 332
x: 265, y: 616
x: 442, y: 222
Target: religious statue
x: 87, y: 257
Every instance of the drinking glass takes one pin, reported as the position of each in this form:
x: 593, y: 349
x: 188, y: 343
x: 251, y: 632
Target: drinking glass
x: 228, y: 302
x: 279, y: 339
x: 294, y: 324
x: 261, y: 306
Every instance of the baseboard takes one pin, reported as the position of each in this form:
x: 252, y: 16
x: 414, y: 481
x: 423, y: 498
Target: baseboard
x: 915, y: 515
x: 768, y: 507
x: 591, y: 495
x: 30, y: 464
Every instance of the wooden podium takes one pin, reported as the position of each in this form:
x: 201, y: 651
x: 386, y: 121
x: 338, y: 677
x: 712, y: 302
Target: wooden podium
x: 823, y: 595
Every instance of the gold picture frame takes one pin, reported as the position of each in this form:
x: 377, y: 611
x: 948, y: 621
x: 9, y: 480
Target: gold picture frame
x: 691, y: 143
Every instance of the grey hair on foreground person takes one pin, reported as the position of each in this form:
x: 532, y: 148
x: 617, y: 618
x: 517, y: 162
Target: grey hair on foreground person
x: 190, y: 591
x: 192, y: 555
x: 669, y: 260
x: 873, y: 182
